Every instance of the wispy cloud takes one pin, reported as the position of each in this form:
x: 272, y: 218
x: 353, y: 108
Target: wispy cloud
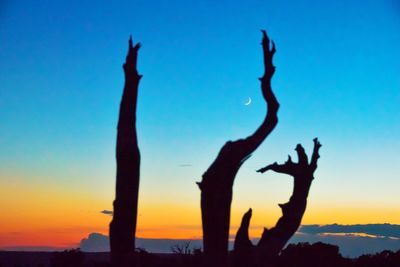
x: 185, y: 165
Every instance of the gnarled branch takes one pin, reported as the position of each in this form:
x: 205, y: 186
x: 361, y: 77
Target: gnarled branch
x: 216, y: 185
x: 273, y: 240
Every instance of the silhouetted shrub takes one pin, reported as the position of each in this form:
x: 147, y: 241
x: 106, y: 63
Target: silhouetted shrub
x: 385, y: 258
x: 68, y: 258
x: 305, y: 254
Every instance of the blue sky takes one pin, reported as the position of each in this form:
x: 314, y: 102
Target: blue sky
x: 337, y: 78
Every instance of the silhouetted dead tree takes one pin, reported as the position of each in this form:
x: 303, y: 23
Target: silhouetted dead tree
x: 123, y: 225
x: 216, y: 185
x: 273, y: 240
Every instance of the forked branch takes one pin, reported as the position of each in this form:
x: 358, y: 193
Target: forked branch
x: 273, y: 240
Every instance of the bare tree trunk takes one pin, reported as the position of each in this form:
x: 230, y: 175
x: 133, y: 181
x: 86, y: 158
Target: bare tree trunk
x: 273, y: 240
x: 123, y: 225
x: 216, y: 185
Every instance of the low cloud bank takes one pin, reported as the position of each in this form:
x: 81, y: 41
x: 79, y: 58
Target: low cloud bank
x: 378, y: 230
x: 95, y: 242
x: 100, y: 243
x: 350, y: 245
x: 353, y: 240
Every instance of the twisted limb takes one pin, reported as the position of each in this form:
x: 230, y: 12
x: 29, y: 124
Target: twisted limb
x: 216, y: 185
x: 273, y: 240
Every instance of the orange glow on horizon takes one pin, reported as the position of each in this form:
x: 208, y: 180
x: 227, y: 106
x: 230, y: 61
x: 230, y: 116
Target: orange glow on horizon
x: 55, y: 216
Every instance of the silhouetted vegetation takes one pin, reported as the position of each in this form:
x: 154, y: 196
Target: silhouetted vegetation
x: 68, y: 258
x: 216, y: 197
x: 305, y: 254
x: 294, y: 255
x: 216, y: 185
x: 325, y: 255
x: 182, y: 249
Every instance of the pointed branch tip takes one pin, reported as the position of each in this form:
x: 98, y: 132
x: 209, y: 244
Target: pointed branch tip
x: 316, y: 142
x: 264, y: 32
x: 130, y: 41
x: 137, y: 46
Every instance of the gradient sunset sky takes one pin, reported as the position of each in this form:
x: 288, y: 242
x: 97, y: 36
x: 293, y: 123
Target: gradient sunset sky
x: 337, y: 78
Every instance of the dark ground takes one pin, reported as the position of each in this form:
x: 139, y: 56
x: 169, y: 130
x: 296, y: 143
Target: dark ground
x: 299, y: 255
x: 76, y: 259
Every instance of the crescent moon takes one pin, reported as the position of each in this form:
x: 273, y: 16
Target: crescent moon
x: 248, y: 102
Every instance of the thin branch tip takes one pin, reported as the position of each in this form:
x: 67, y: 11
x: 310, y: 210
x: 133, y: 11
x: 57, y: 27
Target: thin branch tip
x: 317, y: 143
x: 137, y: 46
x: 262, y: 170
x: 130, y: 41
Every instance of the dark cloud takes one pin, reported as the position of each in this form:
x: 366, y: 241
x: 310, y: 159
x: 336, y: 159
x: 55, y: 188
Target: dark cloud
x: 107, y: 212
x: 379, y: 230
